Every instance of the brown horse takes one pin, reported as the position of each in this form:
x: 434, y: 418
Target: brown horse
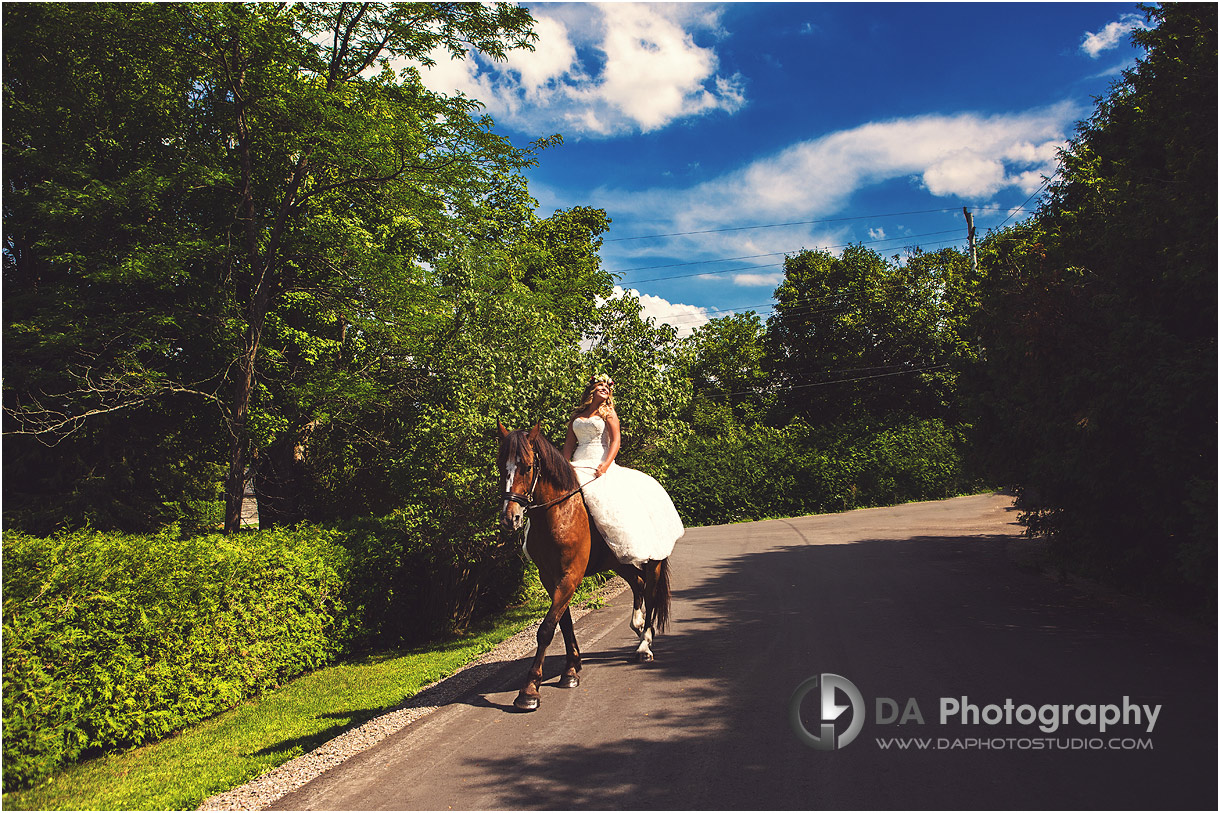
x: 566, y: 547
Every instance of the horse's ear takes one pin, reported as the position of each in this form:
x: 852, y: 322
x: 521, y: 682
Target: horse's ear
x: 534, y: 430
x: 503, y: 431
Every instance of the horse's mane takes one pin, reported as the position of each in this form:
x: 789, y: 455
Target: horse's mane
x: 557, y: 470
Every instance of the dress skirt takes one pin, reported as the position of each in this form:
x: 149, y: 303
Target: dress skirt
x: 634, y: 513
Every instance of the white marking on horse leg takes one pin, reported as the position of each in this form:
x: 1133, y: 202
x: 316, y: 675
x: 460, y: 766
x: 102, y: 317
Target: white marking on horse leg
x: 637, y: 621
x: 645, y: 649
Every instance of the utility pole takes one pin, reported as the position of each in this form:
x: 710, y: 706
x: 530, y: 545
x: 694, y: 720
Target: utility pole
x: 974, y: 257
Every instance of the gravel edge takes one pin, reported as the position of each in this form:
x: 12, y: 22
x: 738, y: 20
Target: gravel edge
x: 263, y: 791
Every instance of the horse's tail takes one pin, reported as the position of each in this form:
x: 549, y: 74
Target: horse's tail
x: 661, y: 597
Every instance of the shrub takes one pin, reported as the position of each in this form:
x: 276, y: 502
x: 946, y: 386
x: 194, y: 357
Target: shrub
x: 113, y: 640
x: 419, y: 575
x: 765, y: 472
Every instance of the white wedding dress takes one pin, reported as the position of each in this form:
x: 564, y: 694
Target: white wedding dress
x: 634, y: 514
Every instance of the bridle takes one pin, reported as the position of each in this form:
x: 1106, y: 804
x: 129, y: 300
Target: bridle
x: 526, y: 501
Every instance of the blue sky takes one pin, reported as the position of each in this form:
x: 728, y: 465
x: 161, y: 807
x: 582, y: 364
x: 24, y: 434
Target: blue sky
x: 877, y: 122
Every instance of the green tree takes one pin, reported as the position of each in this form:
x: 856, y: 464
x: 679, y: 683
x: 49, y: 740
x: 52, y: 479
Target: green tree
x: 260, y: 185
x: 331, y: 158
x: 114, y: 331
x: 1099, y: 321
x: 727, y: 375
x: 860, y: 336
x: 501, y: 344
x: 648, y: 364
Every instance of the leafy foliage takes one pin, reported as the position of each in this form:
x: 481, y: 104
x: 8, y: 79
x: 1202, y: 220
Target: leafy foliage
x: 648, y: 365
x: 266, y: 189
x: 764, y: 472
x: 861, y: 335
x: 113, y: 640
x: 422, y: 577
x: 106, y: 192
x: 726, y: 371
x: 1099, y: 318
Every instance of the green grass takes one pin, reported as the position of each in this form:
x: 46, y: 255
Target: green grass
x: 238, y: 745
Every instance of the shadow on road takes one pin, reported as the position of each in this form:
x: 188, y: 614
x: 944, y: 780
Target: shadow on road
x: 923, y: 618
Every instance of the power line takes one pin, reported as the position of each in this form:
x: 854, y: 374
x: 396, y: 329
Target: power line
x: 842, y: 300
x: 808, y: 309
x: 1037, y: 192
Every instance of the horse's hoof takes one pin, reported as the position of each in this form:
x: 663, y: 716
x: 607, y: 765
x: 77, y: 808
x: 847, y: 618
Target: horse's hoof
x: 526, y: 702
x: 569, y: 681
x: 645, y: 657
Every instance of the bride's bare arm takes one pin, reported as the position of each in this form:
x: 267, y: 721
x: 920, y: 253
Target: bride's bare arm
x: 612, y: 448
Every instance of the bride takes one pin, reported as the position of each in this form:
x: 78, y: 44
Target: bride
x: 634, y: 514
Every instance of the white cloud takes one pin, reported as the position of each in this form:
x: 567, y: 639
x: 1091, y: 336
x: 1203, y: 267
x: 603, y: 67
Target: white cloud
x: 769, y: 280
x: 1110, y: 36
x: 1030, y: 154
x: 876, y: 234
x: 966, y: 174
x: 547, y: 64
x: 685, y: 318
x: 651, y: 71
x: 964, y: 156
x: 1028, y: 182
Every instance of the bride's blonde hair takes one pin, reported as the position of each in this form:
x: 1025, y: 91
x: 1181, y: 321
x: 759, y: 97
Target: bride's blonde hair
x: 586, y: 398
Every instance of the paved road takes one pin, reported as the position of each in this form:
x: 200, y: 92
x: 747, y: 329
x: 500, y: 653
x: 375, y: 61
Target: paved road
x: 921, y: 601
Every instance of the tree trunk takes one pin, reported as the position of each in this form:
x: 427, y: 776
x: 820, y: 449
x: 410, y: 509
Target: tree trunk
x: 235, y: 483
x: 258, y: 289
x: 256, y: 294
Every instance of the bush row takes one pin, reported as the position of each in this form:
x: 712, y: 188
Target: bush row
x: 114, y: 640
x: 417, y: 579
x: 765, y: 472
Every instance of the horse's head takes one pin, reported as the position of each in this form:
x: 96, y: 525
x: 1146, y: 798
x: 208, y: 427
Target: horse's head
x: 520, y: 468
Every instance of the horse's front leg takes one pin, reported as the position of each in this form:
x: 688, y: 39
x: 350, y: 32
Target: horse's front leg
x: 529, y: 698
x: 571, y: 673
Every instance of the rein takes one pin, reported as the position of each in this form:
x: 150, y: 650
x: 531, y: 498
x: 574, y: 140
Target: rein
x: 526, y: 500
x: 556, y: 501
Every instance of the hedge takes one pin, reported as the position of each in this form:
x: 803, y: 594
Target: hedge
x: 113, y: 640
x: 764, y: 472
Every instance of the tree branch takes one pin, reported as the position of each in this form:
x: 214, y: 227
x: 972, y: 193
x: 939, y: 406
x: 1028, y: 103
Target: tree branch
x: 117, y: 392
